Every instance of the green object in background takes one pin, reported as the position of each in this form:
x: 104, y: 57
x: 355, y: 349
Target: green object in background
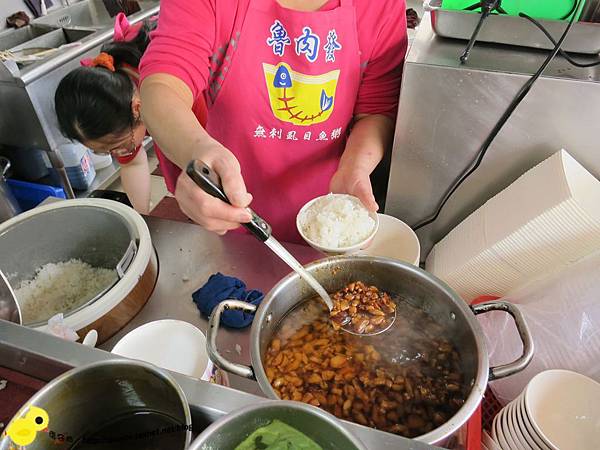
x: 538, y: 9
x: 278, y: 436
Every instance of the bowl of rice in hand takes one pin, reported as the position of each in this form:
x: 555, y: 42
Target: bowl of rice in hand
x: 337, y: 224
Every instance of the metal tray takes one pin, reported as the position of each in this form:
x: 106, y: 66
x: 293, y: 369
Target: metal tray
x: 584, y: 37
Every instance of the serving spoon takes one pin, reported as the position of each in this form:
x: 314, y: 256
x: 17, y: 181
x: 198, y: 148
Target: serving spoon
x: 210, y: 183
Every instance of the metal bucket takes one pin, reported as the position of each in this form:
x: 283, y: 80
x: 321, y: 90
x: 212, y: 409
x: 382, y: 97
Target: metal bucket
x: 318, y: 425
x: 409, y: 282
x: 85, y: 399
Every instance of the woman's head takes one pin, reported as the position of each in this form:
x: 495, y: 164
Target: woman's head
x: 99, y: 108
x: 99, y: 105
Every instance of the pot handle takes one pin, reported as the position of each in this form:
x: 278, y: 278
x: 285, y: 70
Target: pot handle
x: 211, y: 342
x: 523, y: 361
x: 127, y: 259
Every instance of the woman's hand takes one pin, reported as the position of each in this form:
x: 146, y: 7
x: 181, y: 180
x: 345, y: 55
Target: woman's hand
x: 370, y: 137
x: 167, y: 111
x: 354, y: 182
x: 208, y: 211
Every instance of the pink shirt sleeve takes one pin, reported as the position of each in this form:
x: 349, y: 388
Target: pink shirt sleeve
x: 182, y: 43
x: 380, y: 86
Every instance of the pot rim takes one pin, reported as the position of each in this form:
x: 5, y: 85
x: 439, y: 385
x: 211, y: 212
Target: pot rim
x: 111, y: 362
x: 324, y: 415
x: 478, y: 384
x: 83, y: 317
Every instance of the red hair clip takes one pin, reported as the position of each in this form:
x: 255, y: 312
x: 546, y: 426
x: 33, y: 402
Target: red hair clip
x: 102, y: 60
x: 124, y: 31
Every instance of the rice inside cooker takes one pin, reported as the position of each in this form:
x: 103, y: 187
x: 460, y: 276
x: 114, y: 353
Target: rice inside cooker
x: 61, y: 287
x: 337, y: 221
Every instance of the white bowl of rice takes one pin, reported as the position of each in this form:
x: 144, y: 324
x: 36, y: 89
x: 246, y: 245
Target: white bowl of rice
x: 337, y: 224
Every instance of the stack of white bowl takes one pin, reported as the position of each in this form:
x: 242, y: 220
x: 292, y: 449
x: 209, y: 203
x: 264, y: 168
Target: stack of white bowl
x: 558, y: 410
x: 546, y: 219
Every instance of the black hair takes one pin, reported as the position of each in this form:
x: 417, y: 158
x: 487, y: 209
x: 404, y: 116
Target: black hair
x: 93, y: 102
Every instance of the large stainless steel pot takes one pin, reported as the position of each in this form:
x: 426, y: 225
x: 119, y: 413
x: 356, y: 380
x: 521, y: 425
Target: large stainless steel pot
x: 85, y: 399
x: 102, y: 233
x: 320, y: 426
x: 407, y: 281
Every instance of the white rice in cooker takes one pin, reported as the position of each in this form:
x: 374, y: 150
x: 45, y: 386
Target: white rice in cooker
x: 60, y: 287
x: 335, y: 221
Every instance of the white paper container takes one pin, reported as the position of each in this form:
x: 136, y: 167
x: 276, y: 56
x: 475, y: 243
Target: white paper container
x: 540, y: 223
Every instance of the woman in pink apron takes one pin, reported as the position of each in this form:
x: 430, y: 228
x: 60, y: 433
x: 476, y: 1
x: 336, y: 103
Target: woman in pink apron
x: 302, y: 99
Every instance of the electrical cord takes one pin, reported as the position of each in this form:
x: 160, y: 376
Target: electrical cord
x: 499, y: 125
x: 572, y: 11
x: 551, y: 39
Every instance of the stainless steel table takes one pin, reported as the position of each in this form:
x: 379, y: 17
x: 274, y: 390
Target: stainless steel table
x: 187, y: 257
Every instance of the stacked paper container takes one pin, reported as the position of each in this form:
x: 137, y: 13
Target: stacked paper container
x: 546, y: 219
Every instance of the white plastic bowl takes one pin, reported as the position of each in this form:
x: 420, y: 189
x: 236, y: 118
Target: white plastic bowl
x: 339, y: 250
x: 170, y: 344
x: 564, y: 408
x: 394, y: 239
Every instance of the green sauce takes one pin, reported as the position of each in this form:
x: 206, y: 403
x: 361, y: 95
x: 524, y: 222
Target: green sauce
x: 278, y: 436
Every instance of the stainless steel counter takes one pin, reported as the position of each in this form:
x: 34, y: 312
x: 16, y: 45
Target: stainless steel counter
x: 187, y: 256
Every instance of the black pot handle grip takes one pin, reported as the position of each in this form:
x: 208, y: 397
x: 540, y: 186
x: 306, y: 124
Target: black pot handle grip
x: 210, y: 183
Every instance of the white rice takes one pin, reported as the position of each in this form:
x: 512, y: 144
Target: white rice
x: 59, y: 288
x: 335, y: 221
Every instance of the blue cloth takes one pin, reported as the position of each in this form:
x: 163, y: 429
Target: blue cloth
x: 220, y: 287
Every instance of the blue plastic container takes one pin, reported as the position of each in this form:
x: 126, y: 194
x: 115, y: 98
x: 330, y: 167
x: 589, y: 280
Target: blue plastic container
x: 29, y: 195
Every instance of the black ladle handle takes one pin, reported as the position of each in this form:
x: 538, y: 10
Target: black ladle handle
x: 210, y: 183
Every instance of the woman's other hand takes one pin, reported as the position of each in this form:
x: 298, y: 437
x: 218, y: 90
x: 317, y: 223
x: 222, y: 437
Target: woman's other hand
x: 354, y: 182
x: 371, y: 136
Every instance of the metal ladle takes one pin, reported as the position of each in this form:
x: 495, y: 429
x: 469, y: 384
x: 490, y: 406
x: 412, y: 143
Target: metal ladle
x: 210, y: 183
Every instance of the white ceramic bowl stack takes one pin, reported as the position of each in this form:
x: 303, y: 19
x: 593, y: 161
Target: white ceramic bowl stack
x: 558, y: 410
x: 543, y: 221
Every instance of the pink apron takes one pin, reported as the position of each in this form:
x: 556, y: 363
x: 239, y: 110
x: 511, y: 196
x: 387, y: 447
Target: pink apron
x: 285, y: 105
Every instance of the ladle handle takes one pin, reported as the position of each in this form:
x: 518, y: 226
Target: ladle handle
x: 211, y: 342
x: 210, y: 183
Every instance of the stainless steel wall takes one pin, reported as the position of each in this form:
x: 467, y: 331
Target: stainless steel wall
x: 447, y: 110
